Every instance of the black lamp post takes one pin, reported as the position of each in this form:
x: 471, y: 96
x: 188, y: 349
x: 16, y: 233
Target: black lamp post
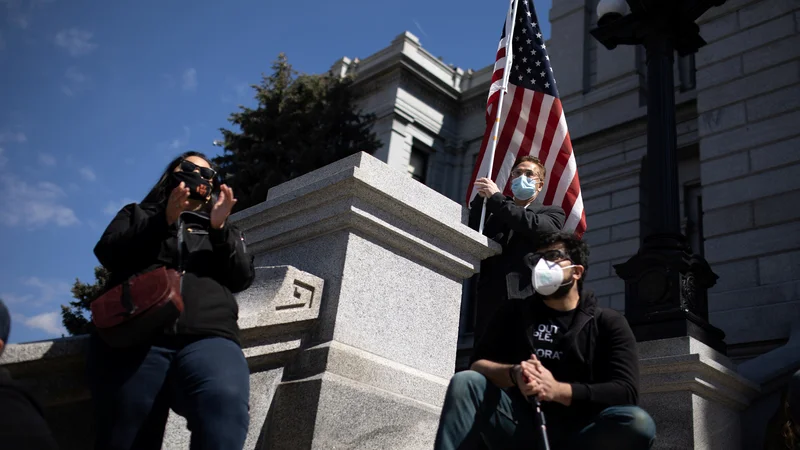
x: 665, y: 283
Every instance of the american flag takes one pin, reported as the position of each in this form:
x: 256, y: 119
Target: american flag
x: 531, y: 119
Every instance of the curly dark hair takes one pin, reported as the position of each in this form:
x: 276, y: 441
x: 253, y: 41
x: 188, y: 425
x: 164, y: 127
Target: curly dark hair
x: 160, y: 192
x: 577, y: 250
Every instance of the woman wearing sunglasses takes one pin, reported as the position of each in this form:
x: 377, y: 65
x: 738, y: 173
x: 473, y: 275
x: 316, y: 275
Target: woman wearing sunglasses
x: 196, y: 365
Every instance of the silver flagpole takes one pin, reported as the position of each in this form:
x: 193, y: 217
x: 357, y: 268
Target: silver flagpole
x: 512, y: 14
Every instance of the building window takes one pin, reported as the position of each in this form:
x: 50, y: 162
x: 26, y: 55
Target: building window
x: 418, y: 165
x: 693, y: 216
x: 686, y: 72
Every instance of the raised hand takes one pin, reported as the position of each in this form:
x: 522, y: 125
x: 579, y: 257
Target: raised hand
x: 178, y: 202
x: 222, y: 208
x: 486, y: 187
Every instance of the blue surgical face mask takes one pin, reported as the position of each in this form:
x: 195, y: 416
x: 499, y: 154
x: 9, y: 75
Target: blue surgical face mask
x: 523, y: 187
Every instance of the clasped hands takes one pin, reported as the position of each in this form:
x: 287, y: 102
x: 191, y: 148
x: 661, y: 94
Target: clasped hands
x: 532, y: 378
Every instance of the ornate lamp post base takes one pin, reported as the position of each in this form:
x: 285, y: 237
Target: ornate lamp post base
x: 665, y: 292
x: 665, y: 284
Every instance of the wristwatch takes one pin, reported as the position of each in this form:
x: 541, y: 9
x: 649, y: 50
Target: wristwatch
x: 511, y: 374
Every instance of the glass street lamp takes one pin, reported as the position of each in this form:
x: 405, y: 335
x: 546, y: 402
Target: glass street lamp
x: 665, y: 283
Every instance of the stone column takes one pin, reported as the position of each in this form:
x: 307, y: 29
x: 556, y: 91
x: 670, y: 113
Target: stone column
x: 694, y: 395
x: 393, y: 254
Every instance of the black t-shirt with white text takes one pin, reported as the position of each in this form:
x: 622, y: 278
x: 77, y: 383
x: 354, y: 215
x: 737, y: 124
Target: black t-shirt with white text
x: 545, y: 334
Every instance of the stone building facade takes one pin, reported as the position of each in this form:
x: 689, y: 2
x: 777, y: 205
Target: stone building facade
x: 738, y: 116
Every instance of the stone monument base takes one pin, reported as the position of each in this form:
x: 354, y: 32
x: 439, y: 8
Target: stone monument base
x: 694, y: 395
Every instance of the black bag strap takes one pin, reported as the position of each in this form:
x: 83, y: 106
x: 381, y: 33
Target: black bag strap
x: 127, y: 299
x: 181, y: 239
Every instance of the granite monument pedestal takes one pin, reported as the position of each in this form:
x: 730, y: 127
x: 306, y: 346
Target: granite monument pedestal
x: 393, y: 254
x: 694, y: 395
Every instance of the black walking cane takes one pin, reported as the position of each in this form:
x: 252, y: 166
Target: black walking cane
x: 545, y: 441
x: 537, y: 406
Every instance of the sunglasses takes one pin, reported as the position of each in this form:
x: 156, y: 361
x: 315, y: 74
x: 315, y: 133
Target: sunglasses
x: 205, y: 172
x: 550, y: 255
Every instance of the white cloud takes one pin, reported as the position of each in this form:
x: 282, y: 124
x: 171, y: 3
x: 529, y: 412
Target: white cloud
x: 190, y: 80
x: 88, y: 174
x: 33, y: 205
x: 47, y: 160
x: 19, y: 11
x: 177, y: 143
x: 49, y: 322
x: 13, y: 136
x: 73, y: 74
x: 75, y: 83
x: 21, y: 21
x: 75, y: 41
x: 14, y: 299
x: 239, y: 90
x: 47, y: 291
x: 112, y: 208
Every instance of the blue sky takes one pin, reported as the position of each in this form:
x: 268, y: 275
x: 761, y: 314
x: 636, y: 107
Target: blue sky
x: 96, y: 97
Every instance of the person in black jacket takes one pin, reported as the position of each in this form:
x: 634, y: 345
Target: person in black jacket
x: 578, y: 359
x: 517, y: 224
x: 196, y: 366
x: 22, y: 423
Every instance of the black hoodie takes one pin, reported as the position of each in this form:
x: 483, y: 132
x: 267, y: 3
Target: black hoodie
x: 22, y: 424
x: 599, y: 359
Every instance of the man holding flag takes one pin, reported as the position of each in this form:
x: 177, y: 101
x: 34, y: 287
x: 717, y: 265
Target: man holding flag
x: 517, y: 224
x: 526, y: 178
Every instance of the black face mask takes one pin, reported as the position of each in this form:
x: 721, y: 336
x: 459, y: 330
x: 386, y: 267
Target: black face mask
x: 199, y: 188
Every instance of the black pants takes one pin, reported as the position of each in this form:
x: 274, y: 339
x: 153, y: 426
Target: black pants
x: 207, y: 381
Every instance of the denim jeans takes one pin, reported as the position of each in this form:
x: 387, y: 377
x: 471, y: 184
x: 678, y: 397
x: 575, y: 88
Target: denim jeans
x: 474, y: 408
x: 205, y: 380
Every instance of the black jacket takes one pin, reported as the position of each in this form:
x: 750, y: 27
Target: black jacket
x: 22, y: 424
x: 216, y: 262
x: 517, y: 229
x: 601, y: 361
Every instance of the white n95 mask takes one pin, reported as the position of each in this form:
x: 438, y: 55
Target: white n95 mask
x: 548, y: 276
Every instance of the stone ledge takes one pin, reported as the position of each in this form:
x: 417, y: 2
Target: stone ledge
x: 276, y: 313
x: 686, y: 364
x: 363, y: 193
x: 369, y: 369
x: 699, y: 375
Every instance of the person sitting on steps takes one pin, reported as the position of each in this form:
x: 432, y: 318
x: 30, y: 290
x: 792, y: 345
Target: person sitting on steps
x: 559, y: 345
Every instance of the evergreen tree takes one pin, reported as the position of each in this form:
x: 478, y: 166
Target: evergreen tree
x: 75, y: 316
x: 301, y: 123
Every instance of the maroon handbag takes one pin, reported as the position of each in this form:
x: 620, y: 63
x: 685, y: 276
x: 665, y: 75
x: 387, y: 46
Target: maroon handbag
x: 141, y: 307
x: 136, y: 310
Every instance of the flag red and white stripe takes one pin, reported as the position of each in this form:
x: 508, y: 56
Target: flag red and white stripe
x: 531, y: 119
